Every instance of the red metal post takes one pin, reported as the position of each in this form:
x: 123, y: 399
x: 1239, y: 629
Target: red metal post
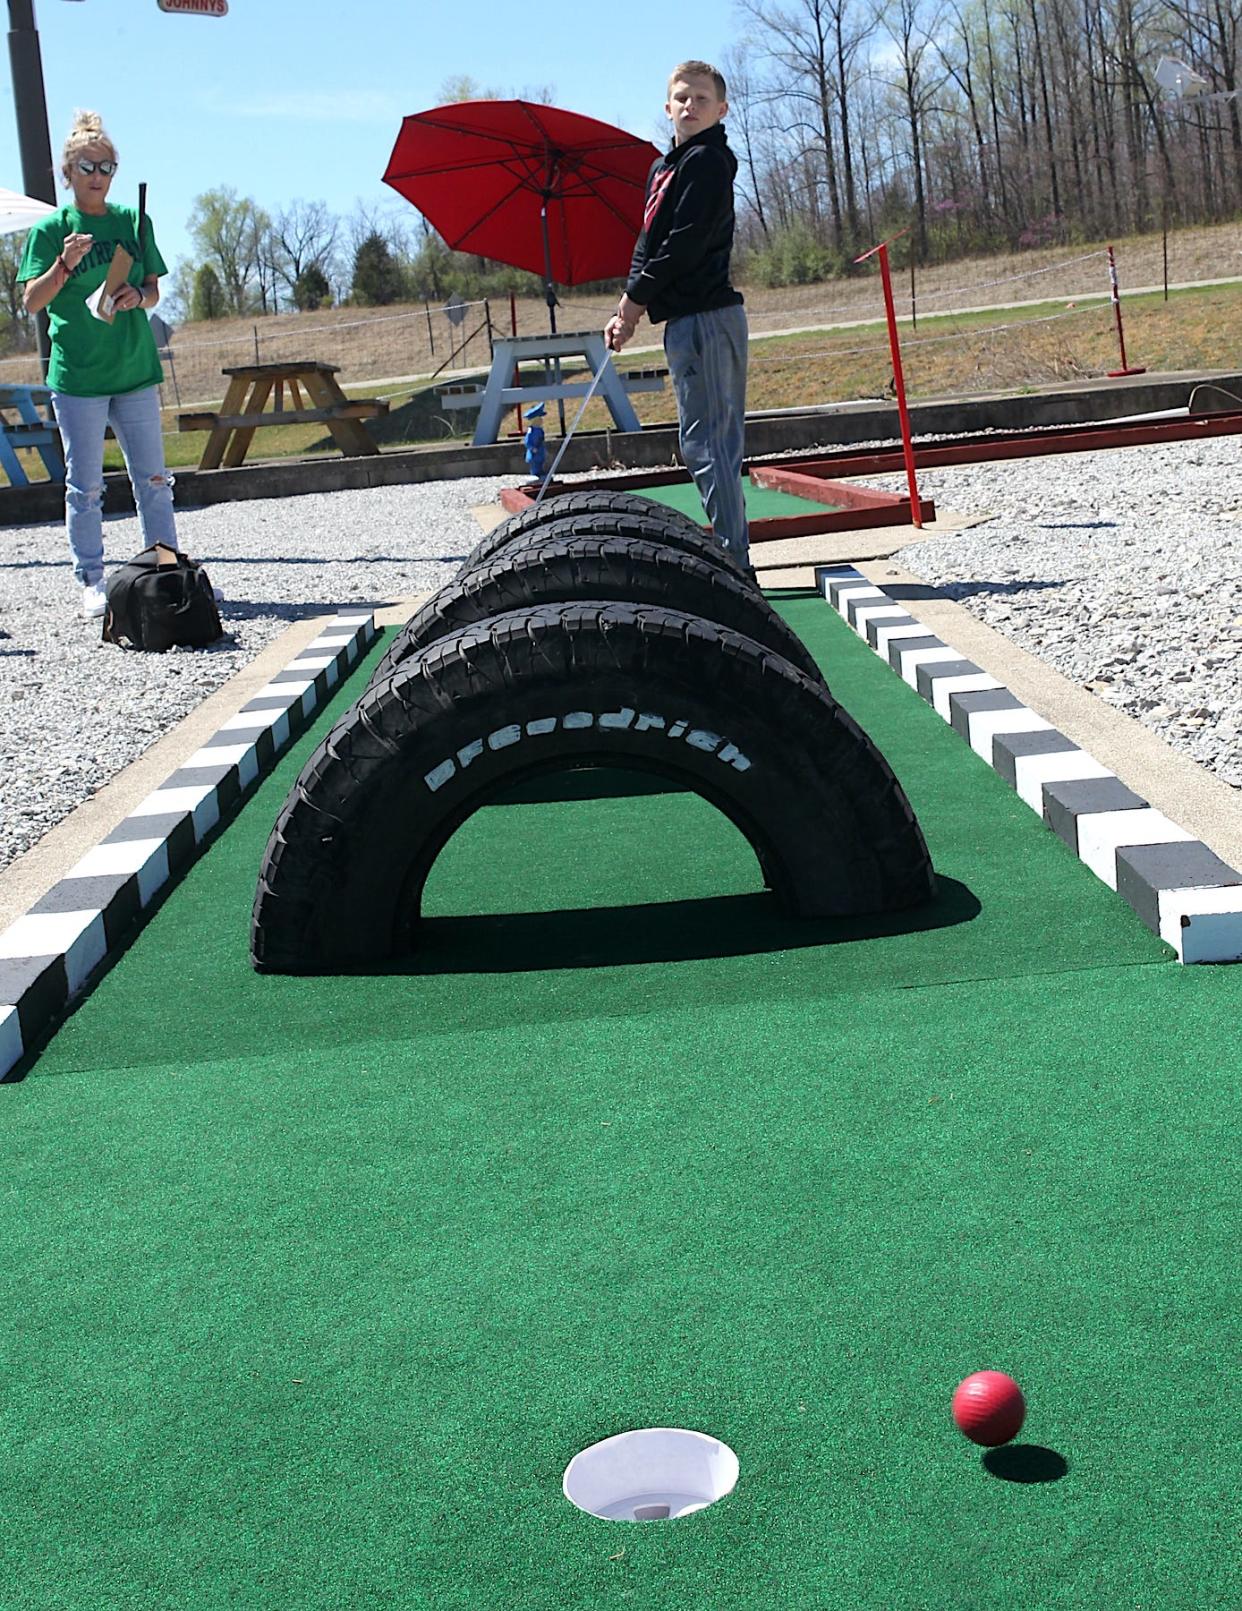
x: 899, y: 383
x: 1121, y: 335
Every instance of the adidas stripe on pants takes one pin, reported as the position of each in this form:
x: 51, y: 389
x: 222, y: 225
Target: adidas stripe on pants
x: 706, y: 355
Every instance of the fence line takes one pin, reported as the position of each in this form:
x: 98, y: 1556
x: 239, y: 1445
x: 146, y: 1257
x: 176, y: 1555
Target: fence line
x: 930, y: 341
x: 1008, y: 279
x: 858, y: 305
x: 411, y: 343
x: 414, y: 344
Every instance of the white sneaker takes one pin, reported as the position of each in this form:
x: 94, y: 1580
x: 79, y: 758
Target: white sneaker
x: 94, y: 601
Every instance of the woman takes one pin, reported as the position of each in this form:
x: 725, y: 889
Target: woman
x: 100, y: 373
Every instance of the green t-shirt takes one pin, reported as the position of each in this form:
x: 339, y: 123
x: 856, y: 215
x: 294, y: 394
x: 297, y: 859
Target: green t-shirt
x: 91, y: 358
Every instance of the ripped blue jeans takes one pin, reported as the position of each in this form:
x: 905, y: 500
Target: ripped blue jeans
x: 135, y: 417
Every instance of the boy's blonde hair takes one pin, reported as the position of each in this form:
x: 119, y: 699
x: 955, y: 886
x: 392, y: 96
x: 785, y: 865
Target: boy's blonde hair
x: 87, y: 130
x: 700, y: 70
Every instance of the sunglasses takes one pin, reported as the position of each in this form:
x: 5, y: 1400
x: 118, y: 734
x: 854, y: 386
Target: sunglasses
x: 85, y: 165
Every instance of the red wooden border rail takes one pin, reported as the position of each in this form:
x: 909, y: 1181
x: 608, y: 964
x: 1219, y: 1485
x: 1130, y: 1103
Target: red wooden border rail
x: 974, y: 448
x: 979, y: 448
x: 865, y: 508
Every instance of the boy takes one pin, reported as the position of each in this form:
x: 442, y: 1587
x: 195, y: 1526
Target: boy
x: 680, y: 273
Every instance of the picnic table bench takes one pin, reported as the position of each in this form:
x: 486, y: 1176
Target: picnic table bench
x: 35, y: 427
x: 244, y: 410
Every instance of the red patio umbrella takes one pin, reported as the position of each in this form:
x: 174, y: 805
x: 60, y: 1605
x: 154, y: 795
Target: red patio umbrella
x: 533, y: 186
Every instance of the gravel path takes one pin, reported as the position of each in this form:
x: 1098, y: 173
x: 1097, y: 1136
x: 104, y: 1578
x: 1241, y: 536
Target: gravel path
x: 1122, y: 570
x: 1144, y: 608
x: 73, y: 711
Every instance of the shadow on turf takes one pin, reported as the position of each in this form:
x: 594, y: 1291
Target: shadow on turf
x: 1026, y: 1462
x: 672, y: 931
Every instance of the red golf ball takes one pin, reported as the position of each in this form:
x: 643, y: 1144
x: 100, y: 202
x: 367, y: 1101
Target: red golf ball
x: 989, y: 1408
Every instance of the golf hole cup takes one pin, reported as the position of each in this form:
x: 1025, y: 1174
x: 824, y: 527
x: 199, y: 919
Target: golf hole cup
x: 656, y: 1474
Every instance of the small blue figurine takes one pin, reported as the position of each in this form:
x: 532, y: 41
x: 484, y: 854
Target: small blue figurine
x: 534, y: 440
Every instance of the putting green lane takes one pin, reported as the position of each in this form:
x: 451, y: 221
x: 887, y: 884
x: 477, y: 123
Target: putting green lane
x: 315, y: 1286
x: 762, y: 503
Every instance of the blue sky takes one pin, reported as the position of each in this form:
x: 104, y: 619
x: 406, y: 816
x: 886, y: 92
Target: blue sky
x: 284, y: 99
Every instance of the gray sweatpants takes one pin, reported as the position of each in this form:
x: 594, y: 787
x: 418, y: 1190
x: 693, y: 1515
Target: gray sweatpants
x: 706, y: 355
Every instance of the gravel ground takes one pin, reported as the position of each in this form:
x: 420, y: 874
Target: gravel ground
x: 1122, y: 570
x: 74, y: 711
x: 1142, y: 605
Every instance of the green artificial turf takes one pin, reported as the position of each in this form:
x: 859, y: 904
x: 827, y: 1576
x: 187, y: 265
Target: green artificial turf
x: 762, y: 503
x: 313, y: 1287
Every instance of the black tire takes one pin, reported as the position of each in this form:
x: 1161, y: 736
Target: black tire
x: 684, y: 540
x: 642, y: 517
x: 542, y: 569
x: 564, y: 686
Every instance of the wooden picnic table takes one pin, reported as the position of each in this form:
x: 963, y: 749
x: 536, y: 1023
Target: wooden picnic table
x: 35, y: 427
x: 244, y: 410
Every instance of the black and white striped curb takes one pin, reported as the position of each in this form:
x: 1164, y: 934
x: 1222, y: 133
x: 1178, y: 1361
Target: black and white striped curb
x: 50, y: 953
x: 1182, y: 890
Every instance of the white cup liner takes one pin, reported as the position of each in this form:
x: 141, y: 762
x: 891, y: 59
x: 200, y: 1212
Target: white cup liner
x: 655, y: 1474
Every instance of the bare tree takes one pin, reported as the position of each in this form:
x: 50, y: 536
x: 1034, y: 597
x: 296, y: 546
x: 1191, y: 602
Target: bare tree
x: 304, y: 235
x: 959, y: 65
x: 1213, y: 30
x: 744, y: 126
x: 798, y: 41
x: 917, y: 82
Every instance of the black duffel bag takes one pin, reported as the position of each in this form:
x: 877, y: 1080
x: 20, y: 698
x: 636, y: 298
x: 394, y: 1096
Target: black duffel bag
x: 161, y: 600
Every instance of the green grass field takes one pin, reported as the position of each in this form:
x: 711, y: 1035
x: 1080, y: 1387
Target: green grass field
x: 961, y: 354
x: 314, y: 1286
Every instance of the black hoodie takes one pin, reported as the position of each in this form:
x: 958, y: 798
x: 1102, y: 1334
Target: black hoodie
x: 681, y: 260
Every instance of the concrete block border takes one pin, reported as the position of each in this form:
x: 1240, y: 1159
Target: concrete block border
x: 1182, y: 890
x: 50, y: 954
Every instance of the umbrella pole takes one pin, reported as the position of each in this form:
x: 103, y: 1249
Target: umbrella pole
x: 550, y: 299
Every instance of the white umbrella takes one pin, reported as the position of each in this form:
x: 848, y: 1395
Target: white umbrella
x: 20, y: 212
